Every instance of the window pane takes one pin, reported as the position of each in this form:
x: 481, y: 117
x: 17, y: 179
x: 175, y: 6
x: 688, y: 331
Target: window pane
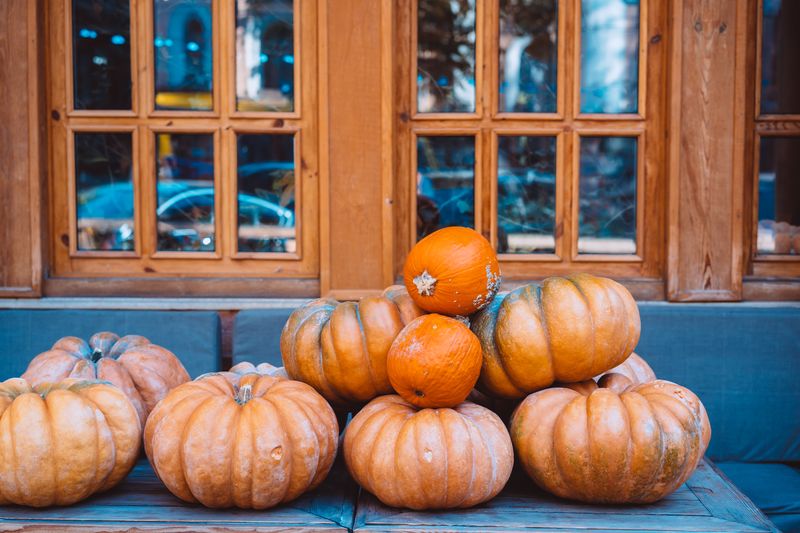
x: 101, y: 47
x: 104, y: 191
x: 609, y: 56
x: 780, y: 54
x: 528, y: 55
x: 264, y: 55
x: 779, y: 196
x: 446, y: 56
x: 185, y: 169
x: 445, y: 183
x: 607, y: 196
x: 183, y: 54
x: 265, y: 173
x: 526, y: 194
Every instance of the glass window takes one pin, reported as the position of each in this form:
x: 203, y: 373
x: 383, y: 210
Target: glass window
x: 183, y: 54
x: 101, y: 50
x: 266, y: 193
x: 445, y: 56
x: 779, y: 196
x: 780, y: 50
x: 185, y: 191
x: 104, y: 191
x: 445, y: 183
x: 264, y: 55
x: 609, y: 56
x: 528, y: 56
x: 607, y: 195
x: 526, y: 194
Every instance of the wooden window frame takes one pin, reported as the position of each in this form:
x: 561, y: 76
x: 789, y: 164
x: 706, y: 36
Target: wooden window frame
x: 145, y: 270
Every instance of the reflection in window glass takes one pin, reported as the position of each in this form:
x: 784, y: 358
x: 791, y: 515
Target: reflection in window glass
x: 526, y: 194
x: 445, y: 183
x: 265, y: 174
x: 609, y: 56
x: 779, y: 196
x: 528, y: 55
x: 183, y: 54
x: 607, y: 195
x: 185, y: 170
x: 780, y: 49
x: 264, y: 55
x: 445, y: 56
x: 101, y: 47
x: 104, y: 191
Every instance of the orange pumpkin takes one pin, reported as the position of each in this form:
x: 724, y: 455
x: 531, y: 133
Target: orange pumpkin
x: 634, y: 369
x: 434, y: 362
x: 62, y: 442
x: 453, y: 271
x: 340, y: 348
x: 562, y: 330
x: 604, y: 446
x: 429, y: 458
x: 255, y: 444
x: 143, y: 370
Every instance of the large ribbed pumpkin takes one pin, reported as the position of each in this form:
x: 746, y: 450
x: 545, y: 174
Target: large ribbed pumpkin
x: 429, y: 458
x: 62, y: 442
x: 340, y: 348
x: 453, y: 271
x: 599, y: 445
x: 249, y: 441
x: 434, y: 362
x: 562, y: 330
x: 145, y: 371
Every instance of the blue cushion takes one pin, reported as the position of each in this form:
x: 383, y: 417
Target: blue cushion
x: 742, y: 360
x: 774, y: 488
x: 257, y: 335
x: 194, y: 336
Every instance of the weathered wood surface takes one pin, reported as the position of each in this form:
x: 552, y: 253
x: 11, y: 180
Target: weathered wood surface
x: 708, y: 502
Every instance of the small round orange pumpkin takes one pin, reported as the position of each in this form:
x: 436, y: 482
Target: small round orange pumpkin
x: 429, y: 458
x: 62, y: 442
x: 453, y: 271
x: 434, y: 362
x: 249, y: 441
x: 635, y: 369
x: 143, y: 370
x: 604, y: 445
x: 265, y: 369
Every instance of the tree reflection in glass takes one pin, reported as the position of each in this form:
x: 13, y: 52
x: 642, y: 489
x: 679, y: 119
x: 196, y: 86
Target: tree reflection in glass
x: 609, y: 56
x: 780, y: 49
x: 607, y: 195
x: 445, y: 183
x: 445, y: 56
x: 526, y: 194
x: 779, y: 196
x: 528, y: 56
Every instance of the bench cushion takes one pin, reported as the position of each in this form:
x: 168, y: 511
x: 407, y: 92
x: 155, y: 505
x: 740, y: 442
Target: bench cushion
x: 194, y: 336
x: 257, y: 335
x: 774, y: 488
x: 743, y: 361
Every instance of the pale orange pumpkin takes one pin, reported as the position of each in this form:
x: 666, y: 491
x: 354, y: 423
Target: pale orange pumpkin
x: 601, y: 445
x: 62, y: 442
x: 265, y: 369
x: 255, y: 444
x: 143, y: 370
x: 453, y: 271
x: 434, y: 362
x: 340, y: 348
x: 562, y: 330
x: 429, y: 458
x: 632, y: 371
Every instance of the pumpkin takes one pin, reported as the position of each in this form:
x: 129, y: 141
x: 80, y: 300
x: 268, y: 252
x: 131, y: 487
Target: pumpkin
x: 266, y: 369
x: 605, y: 446
x: 434, y: 362
x: 453, y: 271
x: 429, y: 458
x: 340, y: 348
x: 561, y: 330
x: 143, y: 370
x: 251, y: 441
x: 634, y: 368
x: 62, y: 442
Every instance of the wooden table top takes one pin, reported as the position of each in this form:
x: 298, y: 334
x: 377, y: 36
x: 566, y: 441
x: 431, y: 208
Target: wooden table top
x: 707, y: 502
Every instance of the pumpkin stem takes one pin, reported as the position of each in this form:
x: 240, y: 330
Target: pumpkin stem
x: 97, y: 354
x: 425, y: 283
x: 245, y: 394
